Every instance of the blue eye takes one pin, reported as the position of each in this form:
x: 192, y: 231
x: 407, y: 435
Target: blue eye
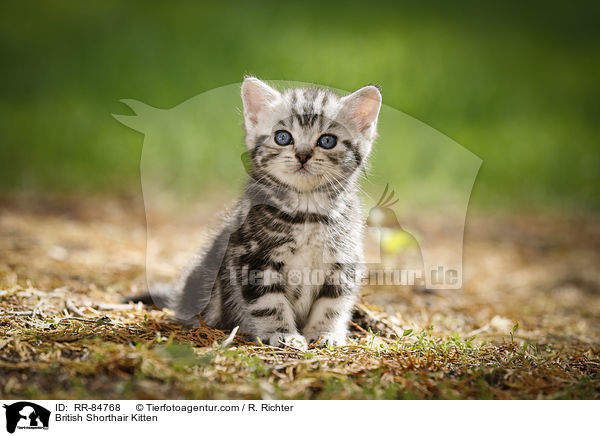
x: 283, y: 137
x: 327, y: 141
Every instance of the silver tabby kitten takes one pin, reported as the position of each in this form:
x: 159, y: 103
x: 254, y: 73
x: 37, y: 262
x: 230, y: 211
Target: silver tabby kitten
x: 283, y: 267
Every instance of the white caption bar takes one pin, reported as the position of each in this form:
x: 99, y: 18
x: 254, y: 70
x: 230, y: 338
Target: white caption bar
x: 153, y: 417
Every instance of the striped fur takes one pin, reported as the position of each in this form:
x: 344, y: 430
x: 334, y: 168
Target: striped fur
x: 293, y: 220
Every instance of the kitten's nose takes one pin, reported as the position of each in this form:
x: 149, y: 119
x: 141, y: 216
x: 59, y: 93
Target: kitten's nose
x: 303, y: 157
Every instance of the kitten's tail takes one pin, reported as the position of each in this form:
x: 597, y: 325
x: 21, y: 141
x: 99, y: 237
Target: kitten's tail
x: 161, y: 295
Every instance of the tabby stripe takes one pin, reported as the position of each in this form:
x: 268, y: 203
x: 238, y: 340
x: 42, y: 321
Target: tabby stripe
x: 252, y: 293
x: 277, y: 182
x: 332, y: 313
x: 263, y: 312
x: 333, y: 159
x: 260, y: 140
x: 332, y: 291
x: 298, y: 218
x: 270, y: 156
x: 354, y: 150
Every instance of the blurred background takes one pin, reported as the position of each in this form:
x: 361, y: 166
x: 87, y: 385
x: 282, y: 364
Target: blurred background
x: 515, y: 84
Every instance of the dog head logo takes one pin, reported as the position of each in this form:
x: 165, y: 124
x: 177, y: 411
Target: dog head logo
x: 26, y: 415
x: 197, y: 145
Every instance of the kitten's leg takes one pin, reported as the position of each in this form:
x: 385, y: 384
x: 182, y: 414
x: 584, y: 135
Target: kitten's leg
x: 330, y: 315
x: 272, y: 319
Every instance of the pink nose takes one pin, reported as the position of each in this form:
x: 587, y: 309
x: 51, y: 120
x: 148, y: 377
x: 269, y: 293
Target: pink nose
x: 303, y: 157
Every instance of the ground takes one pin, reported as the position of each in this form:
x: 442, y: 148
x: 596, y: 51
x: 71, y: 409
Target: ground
x: 525, y: 325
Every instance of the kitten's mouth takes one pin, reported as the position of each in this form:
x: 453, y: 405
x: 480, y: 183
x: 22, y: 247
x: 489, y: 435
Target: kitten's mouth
x: 303, y: 170
x: 301, y: 178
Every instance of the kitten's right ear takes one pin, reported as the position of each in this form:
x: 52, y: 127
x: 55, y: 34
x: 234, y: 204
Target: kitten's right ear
x: 256, y: 96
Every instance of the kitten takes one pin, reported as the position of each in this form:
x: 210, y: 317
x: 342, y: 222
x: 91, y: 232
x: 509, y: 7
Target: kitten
x: 283, y: 267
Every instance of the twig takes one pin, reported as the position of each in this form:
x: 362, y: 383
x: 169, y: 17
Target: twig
x: 72, y: 308
x: 359, y: 328
x: 116, y: 306
x: 100, y: 321
x: 18, y: 313
x: 203, y: 323
x: 229, y: 338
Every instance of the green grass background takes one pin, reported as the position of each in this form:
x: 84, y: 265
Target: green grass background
x: 516, y: 84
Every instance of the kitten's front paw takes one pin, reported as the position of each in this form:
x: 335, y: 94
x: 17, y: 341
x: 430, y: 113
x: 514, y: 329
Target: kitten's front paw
x: 328, y: 340
x: 292, y: 340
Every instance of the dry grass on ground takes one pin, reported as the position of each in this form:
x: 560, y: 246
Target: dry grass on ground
x: 525, y: 325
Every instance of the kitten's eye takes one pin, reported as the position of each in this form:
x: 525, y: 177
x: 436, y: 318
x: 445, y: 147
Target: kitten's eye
x: 283, y: 137
x: 327, y: 141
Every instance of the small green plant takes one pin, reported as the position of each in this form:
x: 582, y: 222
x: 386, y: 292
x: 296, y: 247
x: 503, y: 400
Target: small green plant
x: 512, y: 333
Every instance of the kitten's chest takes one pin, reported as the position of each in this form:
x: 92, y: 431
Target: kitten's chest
x: 304, y: 267
x: 307, y: 248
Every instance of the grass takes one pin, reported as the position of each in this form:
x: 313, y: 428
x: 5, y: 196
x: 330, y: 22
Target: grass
x: 116, y: 356
x: 524, y: 326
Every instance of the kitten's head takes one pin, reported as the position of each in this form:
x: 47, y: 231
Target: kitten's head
x: 307, y: 138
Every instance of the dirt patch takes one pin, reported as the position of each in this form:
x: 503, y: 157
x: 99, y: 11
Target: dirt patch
x: 525, y: 325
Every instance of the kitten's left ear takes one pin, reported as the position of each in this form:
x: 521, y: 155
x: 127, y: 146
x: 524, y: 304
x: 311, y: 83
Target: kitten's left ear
x: 256, y: 96
x: 362, y: 108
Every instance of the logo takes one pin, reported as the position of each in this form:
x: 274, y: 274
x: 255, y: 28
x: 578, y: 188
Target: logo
x: 418, y: 239
x: 26, y: 415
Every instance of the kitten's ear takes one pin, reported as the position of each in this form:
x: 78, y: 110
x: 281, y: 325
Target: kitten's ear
x: 362, y: 108
x: 256, y: 96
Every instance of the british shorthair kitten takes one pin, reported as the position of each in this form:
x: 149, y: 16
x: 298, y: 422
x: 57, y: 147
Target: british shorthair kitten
x: 283, y: 267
